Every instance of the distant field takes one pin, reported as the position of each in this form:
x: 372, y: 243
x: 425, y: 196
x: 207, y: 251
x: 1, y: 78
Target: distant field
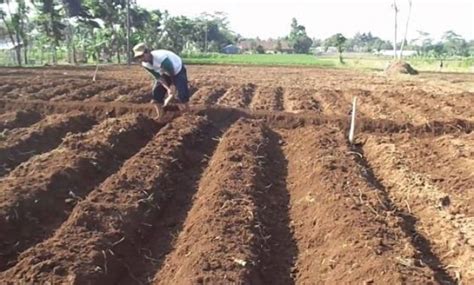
x: 358, y: 61
x: 261, y: 59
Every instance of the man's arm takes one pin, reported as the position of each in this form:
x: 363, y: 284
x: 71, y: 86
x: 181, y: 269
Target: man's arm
x: 156, y: 75
x: 158, y: 78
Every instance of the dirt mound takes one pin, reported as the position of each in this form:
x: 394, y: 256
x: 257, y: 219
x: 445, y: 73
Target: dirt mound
x: 268, y: 98
x: 23, y: 143
x: 238, y: 97
x: 104, y: 227
x: 18, y: 119
x: 207, y: 95
x: 40, y: 193
x: 299, y: 100
x: 400, y: 67
x: 230, y: 189
x: 434, y: 211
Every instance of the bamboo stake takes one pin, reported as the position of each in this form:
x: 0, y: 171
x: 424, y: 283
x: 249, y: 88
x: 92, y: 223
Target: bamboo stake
x: 95, y: 73
x: 352, y: 129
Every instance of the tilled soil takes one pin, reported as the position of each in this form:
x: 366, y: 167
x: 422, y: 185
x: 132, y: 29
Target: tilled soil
x: 22, y: 143
x: 18, y: 119
x: 238, y: 97
x: 37, y: 196
x: 257, y: 184
x: 449, y: 231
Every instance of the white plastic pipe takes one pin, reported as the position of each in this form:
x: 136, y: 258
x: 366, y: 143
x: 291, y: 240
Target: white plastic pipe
x: 352, y: 129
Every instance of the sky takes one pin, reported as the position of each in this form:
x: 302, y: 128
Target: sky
x: 323, y: 18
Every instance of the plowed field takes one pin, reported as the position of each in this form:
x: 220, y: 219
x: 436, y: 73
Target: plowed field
x: 256, y: 184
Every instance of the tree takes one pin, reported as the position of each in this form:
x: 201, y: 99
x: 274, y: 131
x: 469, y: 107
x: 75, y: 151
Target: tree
x: 357, y: 43
x: 298, y: 38
x: 438, y: 51
x: 317, y: 42
x: 3, y: 29
x: 423, y: 43
x: 209, y: 32
x: 260, y: 49
x: 406, y: 30
x: 455, y: 44
x: 81, y: 18
x: 49, y: 21
x: 378, y: 44
x: 338, y: 40
x: 177, y: 32
x: 22, y: 26
x: 278, y: 47
x: 471, y: 47
x: 113, y: 15
x: 15, y: 25
x: 253, y: 44
x: 147, y: 26
x: 395, y: 8
x: 213, y: 29
x: 97, y: 28
x: 366, y: 42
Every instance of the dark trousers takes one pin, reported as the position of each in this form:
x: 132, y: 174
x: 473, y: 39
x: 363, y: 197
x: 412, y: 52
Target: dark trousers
x: 180, y: 80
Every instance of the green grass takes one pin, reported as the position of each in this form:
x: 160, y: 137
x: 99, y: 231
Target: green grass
x: 450, y: 65
x: 420, y: 64
x: 261, y: 59
x: 361, y: 62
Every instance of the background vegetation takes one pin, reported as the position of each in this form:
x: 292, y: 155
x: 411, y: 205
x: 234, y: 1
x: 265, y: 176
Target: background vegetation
x: 37, y: 32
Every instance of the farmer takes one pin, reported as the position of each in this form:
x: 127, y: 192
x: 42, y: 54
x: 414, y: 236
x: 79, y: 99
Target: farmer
x: 167, y: 68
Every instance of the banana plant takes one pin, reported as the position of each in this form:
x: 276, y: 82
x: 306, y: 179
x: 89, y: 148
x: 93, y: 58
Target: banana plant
x: 15, y: 23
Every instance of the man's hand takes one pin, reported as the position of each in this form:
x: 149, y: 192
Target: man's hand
x: 169, y: 95
x: 163, y: 83
x: 168, y: 99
